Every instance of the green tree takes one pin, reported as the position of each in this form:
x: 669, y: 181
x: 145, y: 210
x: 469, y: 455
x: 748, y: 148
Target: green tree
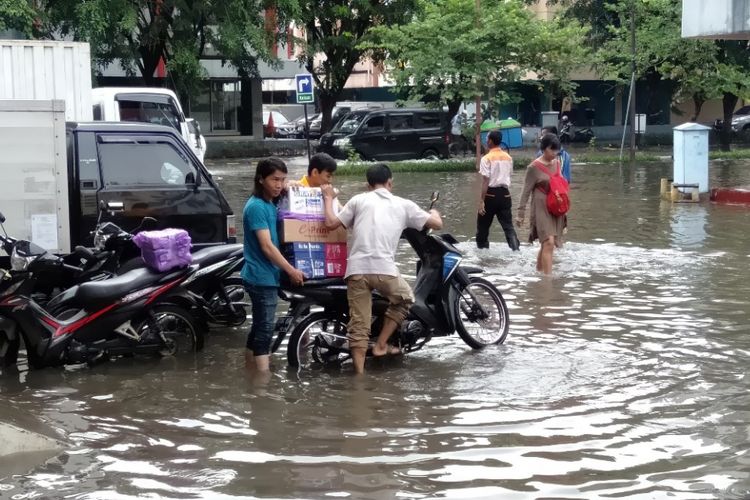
x: 699, y: 69
x: 451, y: 53
x: 338, y: 33
x: 140, y: 33
x: 18, y: 15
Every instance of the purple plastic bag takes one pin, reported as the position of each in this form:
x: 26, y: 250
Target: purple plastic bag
x: 164, y: 250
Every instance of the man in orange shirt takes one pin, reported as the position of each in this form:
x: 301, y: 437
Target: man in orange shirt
x: 494, y: 201
x: 320, y: 171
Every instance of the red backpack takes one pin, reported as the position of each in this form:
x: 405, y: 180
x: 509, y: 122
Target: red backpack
x: 558, y: 202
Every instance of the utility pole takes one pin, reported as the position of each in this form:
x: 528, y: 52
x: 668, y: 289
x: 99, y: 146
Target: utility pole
x: 633, y: 81
x: 478, y: 105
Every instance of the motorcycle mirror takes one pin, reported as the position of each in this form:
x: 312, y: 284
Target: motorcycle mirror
x: 434, y: 198
x: 2, y: 218
x: 148, y: 224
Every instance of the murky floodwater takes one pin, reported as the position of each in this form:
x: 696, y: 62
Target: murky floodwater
x: 624, y: 375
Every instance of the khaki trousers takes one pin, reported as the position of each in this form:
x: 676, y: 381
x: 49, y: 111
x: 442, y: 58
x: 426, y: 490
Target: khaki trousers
x: 359, y: 289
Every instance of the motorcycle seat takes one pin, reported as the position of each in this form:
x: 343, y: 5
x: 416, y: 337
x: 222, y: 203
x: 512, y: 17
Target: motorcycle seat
x: 96, y: 292
x: 211, y: 255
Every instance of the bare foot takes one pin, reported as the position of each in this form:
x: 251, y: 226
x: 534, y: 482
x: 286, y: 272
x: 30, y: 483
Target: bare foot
x: 390, y: 350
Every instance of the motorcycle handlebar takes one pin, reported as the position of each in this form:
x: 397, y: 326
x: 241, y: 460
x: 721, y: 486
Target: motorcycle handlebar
x: 73, y: 268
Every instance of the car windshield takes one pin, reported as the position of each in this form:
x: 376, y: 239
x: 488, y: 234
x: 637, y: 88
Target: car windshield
x: 744, y: 110
x: 349, y: 124
x: 149, y: 112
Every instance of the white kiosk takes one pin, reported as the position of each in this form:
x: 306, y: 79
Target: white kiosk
x: 691, y: 157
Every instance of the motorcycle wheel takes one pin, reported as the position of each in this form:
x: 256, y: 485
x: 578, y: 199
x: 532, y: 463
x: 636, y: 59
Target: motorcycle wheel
x: 481, y: 314
x: 178, y: 327
x: 308, y: 344
x: 235, y: 290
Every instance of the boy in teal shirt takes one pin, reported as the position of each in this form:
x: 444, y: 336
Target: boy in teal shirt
x: 263, y: 260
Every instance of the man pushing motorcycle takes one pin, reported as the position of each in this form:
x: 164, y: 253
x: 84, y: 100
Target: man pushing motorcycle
x: 376, y: 220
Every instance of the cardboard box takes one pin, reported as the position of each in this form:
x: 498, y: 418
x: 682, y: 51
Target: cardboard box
x: 311, y: 268
x: 303, y: 200
x: 292, y: 230
x: 307, y: 257
x: 335, y: 268
x: 304, y: 247
x: 335, y: 251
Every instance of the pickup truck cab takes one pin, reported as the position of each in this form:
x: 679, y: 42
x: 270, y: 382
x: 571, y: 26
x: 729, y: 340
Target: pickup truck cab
x: 137, y: 170
x: 153, y: 105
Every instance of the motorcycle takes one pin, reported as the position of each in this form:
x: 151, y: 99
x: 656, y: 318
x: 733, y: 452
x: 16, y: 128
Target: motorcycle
x: 449, y: 298
x: 568, y: 134
x: 214, y: 288
x: 138, y: 312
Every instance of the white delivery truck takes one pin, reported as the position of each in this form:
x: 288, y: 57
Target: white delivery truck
x: 146, y: 104
x: 34, y: 172
x: 52, y: 69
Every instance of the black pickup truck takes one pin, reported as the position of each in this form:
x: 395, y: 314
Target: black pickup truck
x: 135, y: 170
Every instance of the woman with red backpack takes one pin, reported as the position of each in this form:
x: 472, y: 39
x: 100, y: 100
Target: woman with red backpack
x: 548, y: 191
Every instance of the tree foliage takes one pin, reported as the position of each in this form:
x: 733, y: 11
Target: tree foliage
x: 140, y: 33
x: 18, y: 15
x: 699, y: 69
x: 337, y: 36
x: 450, y: 52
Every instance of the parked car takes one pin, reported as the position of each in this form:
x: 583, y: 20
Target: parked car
x: 389, y: 134
x: 740, y: 120
x: 278, y: 119
x: 287, y: 130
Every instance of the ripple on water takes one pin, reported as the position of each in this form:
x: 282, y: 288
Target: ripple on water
x: 624, y: 375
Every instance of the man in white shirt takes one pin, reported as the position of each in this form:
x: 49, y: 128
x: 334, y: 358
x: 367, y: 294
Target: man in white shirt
x: 376, y: 219
x: 494, y: 200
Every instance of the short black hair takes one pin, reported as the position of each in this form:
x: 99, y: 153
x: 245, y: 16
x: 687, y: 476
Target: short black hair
x: 322, y: 162
x: 495, y: 136
x: 550, y: 130
x: 266, y: 167
x: 549, y: 140
x: 378, y: 174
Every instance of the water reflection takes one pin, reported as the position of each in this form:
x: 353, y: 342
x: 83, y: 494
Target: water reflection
x: 624, y: 375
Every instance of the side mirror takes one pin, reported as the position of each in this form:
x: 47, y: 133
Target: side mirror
x: 434, y: 198
x: 149, y: 224
x: 2, y: 218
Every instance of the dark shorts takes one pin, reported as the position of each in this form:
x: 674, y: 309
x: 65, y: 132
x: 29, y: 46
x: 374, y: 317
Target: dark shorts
x: 264, y: 300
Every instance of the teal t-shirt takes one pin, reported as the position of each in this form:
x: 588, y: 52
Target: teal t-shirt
x: 258, y: 270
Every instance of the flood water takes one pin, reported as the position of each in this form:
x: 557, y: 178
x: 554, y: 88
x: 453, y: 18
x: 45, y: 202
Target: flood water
x: 624, y: 376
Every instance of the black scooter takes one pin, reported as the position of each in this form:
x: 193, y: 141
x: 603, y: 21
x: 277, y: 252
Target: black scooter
x: 138, y: 312
x: 218, y: 293
x: 568, y: 134
x: 447, y: 299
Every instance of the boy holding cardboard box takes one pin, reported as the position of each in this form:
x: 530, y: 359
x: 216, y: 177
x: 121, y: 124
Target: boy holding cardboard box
x: 376, y: 220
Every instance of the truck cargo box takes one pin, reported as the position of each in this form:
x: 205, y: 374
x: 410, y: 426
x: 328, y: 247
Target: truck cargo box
x: 34, y: 173
x: 47, y: 70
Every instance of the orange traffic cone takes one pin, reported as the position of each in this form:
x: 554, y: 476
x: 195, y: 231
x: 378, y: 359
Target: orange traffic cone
x: 270, y: 129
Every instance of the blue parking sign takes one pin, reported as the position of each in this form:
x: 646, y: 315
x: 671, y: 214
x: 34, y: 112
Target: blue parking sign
x: 304, y: 88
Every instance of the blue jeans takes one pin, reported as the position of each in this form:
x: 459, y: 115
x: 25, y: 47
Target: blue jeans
x: 264, y: 300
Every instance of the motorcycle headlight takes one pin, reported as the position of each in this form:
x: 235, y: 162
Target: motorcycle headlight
x: 343, y: 142
x: 19, y: 262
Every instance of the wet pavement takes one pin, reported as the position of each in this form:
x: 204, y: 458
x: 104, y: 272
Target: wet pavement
x: 624, y: 375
